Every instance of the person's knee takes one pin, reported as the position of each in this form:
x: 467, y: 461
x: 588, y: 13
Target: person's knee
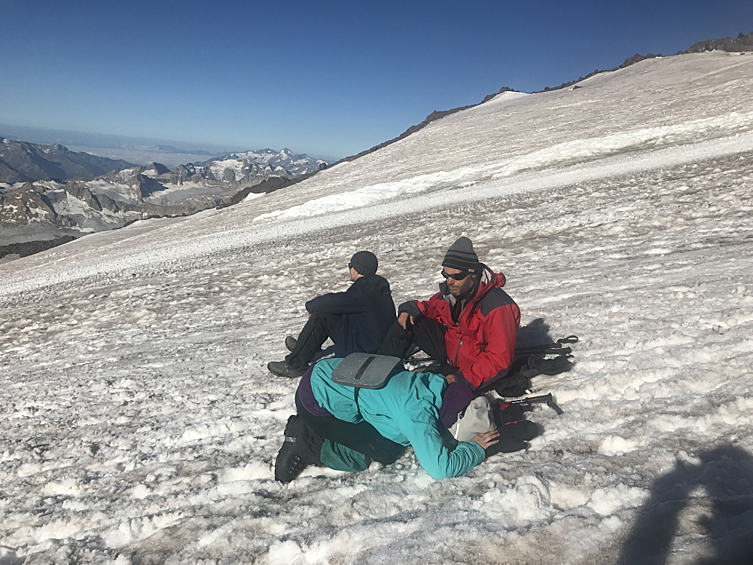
x: 396, y: 342
x: 387, y: 455
x: 328, y: 323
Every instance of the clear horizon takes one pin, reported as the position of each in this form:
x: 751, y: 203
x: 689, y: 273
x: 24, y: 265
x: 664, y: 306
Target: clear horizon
x: 328, y: 80
x: 48, y: 136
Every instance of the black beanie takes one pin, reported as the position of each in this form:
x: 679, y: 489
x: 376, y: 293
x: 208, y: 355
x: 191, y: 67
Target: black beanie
x: 461, y: 256
x: 365, y: 263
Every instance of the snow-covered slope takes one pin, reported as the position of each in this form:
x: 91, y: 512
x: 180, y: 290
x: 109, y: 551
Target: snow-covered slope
x: 140, y: 424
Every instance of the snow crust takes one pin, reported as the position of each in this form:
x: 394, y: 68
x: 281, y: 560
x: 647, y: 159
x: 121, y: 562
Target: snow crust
x: 140, y: 425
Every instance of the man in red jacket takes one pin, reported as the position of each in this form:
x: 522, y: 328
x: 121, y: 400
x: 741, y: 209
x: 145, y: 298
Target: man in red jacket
x: 469, y: 326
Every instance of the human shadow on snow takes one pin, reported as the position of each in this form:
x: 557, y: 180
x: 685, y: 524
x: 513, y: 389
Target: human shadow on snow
x: 724, y: 480
x: 8, y: 556
x: 534, y: 333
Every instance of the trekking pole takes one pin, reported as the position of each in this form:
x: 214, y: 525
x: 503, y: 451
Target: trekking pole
x: 547, y: 399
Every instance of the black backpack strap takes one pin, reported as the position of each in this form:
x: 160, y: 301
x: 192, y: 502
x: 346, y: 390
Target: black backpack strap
x: 568, y: 339
x: 549, y: 348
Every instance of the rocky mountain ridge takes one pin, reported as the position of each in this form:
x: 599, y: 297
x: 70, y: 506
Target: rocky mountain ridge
x: 52, y: 208
x: 740, y: 44
x: 21, y: 161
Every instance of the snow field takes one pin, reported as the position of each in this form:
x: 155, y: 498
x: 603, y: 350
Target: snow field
x: 140, y: 425
x: 155, y: 423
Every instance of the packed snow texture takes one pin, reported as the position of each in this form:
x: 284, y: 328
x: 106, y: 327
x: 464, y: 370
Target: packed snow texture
x: 140, y: 424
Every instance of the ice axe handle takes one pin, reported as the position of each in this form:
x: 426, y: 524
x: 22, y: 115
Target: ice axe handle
x: 547, y: 399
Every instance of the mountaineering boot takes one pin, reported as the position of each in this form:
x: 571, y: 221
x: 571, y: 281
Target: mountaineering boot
x: 289, y: 463
x: 283, y: 369
x: 290, y: 343
x: 302, y: 447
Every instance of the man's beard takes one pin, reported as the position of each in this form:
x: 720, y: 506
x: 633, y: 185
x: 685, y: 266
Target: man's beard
x: 464, y: 290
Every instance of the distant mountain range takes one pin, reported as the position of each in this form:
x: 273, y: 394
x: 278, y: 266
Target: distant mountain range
x: 28, y: 162
x: 173, y: 149
x: 48, y: 192
x: 21, y: 161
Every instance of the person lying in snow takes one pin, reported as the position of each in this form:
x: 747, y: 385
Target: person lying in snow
x: 469, y: 327
x: 356, y: 320
x: 342, y: 430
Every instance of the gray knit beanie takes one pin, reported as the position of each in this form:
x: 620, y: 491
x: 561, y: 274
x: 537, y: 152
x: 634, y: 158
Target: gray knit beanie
x: 365, y: 263
x: 461, y: 256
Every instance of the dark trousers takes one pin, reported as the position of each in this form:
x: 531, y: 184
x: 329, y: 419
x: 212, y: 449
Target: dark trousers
x: 426, y: 334
x: 318, y: 328
x: 361, y: 437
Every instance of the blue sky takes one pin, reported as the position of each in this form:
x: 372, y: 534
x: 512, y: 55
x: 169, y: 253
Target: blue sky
x: 327, y: 78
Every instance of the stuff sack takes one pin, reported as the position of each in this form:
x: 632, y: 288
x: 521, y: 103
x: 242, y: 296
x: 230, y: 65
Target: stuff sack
x: 478, y: 418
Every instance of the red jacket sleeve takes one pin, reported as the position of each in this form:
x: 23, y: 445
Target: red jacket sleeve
x: 418, y: 308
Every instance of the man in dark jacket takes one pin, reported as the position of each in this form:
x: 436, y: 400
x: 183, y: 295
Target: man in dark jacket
x: 469, y: 327
x: 356, y: 320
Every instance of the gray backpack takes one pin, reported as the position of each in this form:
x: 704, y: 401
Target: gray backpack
x: 366, y: 370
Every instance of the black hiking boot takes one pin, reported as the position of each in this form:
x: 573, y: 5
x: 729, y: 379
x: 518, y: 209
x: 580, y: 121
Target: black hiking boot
x: 290, y: 342
x: 300, y: 449
x: 288, y: 464
x: 283, y: 369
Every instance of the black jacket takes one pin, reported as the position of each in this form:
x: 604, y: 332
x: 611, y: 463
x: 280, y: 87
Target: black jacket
x: 367, y: 312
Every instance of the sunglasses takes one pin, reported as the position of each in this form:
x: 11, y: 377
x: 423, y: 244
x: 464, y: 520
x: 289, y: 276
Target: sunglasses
x: 456, y: 276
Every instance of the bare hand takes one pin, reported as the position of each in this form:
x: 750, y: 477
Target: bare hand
x: 486, y: 439
x: 403, y: 318
x: 451, y: 379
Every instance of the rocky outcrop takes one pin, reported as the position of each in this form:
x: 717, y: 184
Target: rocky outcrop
x: 637, y: 58
x: 266, y: 186
x: 81, y: 192
x: 27, y: 204
x: 738, y: 44
x: 433, y: 117
x: 23, y: 249
x: 147, y: 186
